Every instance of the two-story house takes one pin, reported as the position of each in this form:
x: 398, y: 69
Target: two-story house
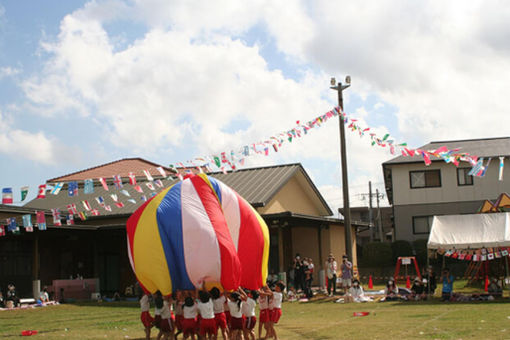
x: 418, y: 192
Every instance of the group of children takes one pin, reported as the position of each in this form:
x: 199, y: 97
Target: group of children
x: 204, y: 313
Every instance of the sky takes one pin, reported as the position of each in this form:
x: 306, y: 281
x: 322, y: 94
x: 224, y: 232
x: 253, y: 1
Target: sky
x: 84, y: 83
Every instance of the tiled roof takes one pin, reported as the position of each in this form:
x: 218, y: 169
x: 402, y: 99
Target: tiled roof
x: 257, y: 185
x: 485, y: 147
x: 120, y: 167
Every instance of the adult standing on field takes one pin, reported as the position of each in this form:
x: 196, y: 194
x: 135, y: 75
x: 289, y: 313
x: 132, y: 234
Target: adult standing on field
x: 331, y: 268
x: 346, y: 268
x: 299, y: 273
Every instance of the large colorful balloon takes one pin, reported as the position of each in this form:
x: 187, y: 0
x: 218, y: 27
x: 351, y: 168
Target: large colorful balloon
x: 198, y: 231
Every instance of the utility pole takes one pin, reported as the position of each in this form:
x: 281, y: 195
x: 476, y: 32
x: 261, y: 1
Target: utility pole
x: 370, y: 212
x: 343, y: 154
x: 381, y: 239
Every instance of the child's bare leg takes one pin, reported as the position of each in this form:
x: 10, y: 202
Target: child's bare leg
x: 147, y: 333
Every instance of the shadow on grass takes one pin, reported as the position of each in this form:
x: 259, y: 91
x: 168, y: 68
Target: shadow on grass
x: 439, y: 302
x: 118, y: 304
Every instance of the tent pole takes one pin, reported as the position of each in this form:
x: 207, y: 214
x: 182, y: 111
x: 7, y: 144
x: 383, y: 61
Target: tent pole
x: 427, y: 270
x: 506, y: 269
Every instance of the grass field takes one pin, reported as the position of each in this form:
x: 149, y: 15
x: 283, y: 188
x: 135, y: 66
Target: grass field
x: 313, y: 320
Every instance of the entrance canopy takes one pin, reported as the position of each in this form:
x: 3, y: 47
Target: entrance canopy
x: 471, y: 231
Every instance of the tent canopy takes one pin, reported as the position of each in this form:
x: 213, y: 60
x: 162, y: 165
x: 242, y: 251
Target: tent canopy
x: 471, y: 231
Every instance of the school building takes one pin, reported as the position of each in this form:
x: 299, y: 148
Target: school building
x: 297, y: 216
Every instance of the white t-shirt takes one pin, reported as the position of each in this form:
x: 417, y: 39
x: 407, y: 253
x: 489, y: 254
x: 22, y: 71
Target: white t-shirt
x: 276, y: 302
x: 219, y: 304
x: 356, y: 293
x: 235, y: 310
x: 263, y: 303
x: 144, y: 303
x: 165, y: 311
x: 248, y: 307
x: 206, y: 309
x: 190, y: 312
x: 331, y: 269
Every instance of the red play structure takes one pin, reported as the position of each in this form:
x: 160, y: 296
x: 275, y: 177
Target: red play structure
x: 406, y: 261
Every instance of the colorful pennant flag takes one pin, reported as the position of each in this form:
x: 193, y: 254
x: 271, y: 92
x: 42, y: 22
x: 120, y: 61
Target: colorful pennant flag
x: 103, y: 183
x: 41, y: 220
x: 132, y: 201
x: 24, y: 193
x: 86, y: 205
x: 56, y: 217
x: 95, y: 212
x: 7, y: 196
x: 125, y: 193
x: 71, y: 208
x: 161, y: 171
x: 117, y: 181
x: 217, y: 161
x: 149, y: 185
x: 119, y: 204
x: 27, y: 223
x: 158, y: 183
x: 100, y: 201
x: 148, y: 175
x: 2, y: 230
x: 56, y: 188
x: 138, y: 188
x: 72, y: 189
x: 143, y: 198
x: 107, y: 208
x: 501, y: 167
x: 70, y: 219
x: 132, y: 178
x: 82, y: 216
x: 114, y: 197
x: 12, y: 225
x: 88, y: 186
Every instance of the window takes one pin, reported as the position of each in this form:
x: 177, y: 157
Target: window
x: 463, y: 178
x: 422, y: 224
x: 425, y: 179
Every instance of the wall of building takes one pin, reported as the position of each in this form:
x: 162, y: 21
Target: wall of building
x: 487, y: 187
x: 337, y: 242
x: 293, y: 198
x: 404, y: 216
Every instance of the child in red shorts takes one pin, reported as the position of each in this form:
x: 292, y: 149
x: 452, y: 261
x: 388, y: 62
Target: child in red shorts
x: 275, y: 306
x: 178, y: 304
x: 189, y: 322
x: 146, y: 317
x: 205, y: 307
x: 166, y: 324
x: 248, y: 309
x: 235, y: 304
x: 219, y: 301
x: 264, y: 311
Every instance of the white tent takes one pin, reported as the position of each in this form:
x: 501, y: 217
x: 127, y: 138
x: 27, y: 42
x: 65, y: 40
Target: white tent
x: 470, y: 231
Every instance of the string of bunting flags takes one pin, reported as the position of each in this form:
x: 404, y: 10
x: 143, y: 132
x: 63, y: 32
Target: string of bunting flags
x: 476, y: 255
x: 231, y: 160
x: 12, y: 224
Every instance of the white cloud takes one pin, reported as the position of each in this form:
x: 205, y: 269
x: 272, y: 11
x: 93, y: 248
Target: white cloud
x: 8, y: 71
x: 435, y: 61
x: 33, y: 146
x: 166, y: 86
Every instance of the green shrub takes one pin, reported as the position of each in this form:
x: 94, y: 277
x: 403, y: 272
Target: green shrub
x: 401, y: 248
x: 376, y: 255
